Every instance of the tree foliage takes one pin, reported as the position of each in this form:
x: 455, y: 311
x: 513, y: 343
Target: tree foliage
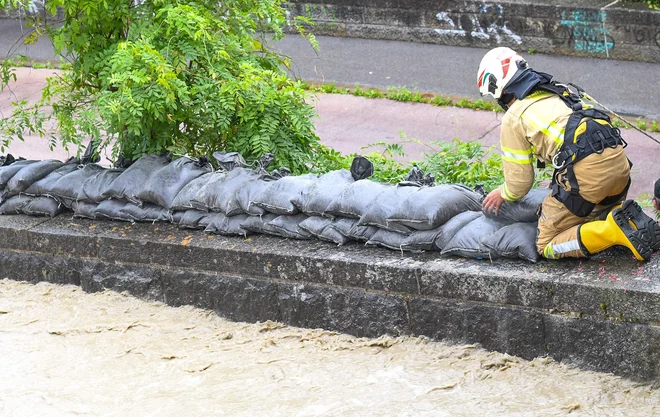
x: 182, y: 76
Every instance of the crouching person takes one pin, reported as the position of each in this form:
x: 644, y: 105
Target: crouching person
x: 547, y: 122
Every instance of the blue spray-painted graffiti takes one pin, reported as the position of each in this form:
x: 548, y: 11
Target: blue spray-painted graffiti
x: 586, y: 31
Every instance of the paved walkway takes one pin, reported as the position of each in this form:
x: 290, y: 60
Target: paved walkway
x: 349, y: 123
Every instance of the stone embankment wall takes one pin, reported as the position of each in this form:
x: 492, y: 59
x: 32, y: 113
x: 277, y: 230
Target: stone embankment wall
x: 600, y: 314
x: 586, y: 29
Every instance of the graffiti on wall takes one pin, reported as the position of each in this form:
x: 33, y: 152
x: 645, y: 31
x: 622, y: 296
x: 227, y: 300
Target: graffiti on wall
x: 584, y: 31
x: 489, y: 25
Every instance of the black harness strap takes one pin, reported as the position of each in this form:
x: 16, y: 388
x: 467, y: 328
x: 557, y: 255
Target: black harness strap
x: 594, y: 139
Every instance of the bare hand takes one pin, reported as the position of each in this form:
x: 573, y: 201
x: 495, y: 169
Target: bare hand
x: 493, y: 202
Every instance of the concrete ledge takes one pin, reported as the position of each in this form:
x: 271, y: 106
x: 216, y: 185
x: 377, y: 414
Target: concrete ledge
x: 601, y: 314
x: 581, y: 28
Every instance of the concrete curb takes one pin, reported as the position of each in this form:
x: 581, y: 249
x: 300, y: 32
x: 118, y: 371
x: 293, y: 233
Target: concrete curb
x: 568, y: 310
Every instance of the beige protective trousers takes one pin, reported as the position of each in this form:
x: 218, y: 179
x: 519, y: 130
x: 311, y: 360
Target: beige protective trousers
x: 599, y: 176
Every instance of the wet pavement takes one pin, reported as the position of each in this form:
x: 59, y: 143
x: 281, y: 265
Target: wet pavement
x: 67, y: 353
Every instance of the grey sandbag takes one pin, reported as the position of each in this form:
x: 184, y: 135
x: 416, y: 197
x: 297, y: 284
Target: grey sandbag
x: 225, y: 199
x: 516, y: 240
x: 362, y: 233
x: 523, y: 210
x: 422, y: 240
x: 343, y: 225
x: 28, y: 175
x: 319, y: 227
x: 164, y: 185
x: 147, y: 212
x: 279, y: 197
x: 287, y: 226
x: 191, y: 219
x: 94, y: 187
x: 177, y: 216
x: 431, y: 207
x: 184, y: 199
x: 131, y: 181
x: 315, y: 200
x: 385, y: 205
x: 13, y: 205
x: 453, y: 226
x: 68, y: 187
x: 387, y: 239
x: 315, y: 225
x: 207, y: 195
x: 221, y: 224
x: 84, y: 210
x: 43, y: 206
x: 356, y: 198
x: 8, y: 171
x: 44, y: 186
x: 468, y: 242
x: 260, y: 224
x: 111, y: 209
x: 251, y: 191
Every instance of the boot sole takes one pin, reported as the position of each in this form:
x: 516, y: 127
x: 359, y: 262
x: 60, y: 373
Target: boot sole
x: 635, y: 238
x: 647, y: 227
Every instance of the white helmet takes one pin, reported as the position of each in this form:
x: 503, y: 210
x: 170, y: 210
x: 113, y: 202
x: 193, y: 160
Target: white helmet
x: 497, y: 69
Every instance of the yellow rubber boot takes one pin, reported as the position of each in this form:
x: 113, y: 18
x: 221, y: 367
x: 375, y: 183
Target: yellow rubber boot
x: 599, y: 235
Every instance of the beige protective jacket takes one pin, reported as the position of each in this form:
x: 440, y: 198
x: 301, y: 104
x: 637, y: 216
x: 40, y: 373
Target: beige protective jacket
x: 532, y: 128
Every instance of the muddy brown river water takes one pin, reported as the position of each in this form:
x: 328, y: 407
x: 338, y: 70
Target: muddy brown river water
x: 67, y: 353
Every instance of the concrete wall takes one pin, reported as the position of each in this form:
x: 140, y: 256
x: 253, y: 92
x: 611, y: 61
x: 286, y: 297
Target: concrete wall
x: 600, y: 314
x: 584, y: 30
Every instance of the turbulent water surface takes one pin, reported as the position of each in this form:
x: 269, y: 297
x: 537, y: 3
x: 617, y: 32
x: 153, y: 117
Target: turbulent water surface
x: 67, y: 353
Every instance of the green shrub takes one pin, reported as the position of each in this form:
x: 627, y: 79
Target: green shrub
x: 178, y: 76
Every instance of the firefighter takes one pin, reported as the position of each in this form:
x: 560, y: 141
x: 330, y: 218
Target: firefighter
x: 549, y: 123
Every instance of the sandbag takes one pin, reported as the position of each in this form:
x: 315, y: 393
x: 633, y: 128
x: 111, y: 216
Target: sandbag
x: 94, y: 187
x: 287, y: 226
x: 314, y: 225
x: 468, y: 241
x: 343, y: 225
x: 68, y: 187
x: 84, y: 210
x: 191, y: 219
x: 516, y: 240
x: 44, y: 186
x: 386, y: 204
x: 111, y: 209
x: 330, y: 234
x: 422, y: 240
x: 131, y: 181
x: 524, y: 210
x: 184, y: 199
x: 278, y: 198
x: 315, y: 200
x: 251, y: 191
x: 453, y: 226
x: 164, y: 185
x: 177, y: 216
x: 362, y: 233
x: 13, y: 205
x: 28, y: 175
x: 260, y: 224
x: 356, y: 198
x: 8, y: 171
x: 225, y: 198
x: 43, y: 206
x: 207, y: 195
x: 387, y: 239
x: 431, y: 207
x: 147, y: 212
x: 221, y: 224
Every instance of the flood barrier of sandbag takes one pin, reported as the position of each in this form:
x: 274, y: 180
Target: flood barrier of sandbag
x: 238, y: 199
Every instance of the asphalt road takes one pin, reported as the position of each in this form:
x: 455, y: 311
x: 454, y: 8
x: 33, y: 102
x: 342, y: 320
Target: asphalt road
x: 623, y: 86
x: 627, y: 87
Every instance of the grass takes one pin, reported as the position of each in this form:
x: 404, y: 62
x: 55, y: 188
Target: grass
x: 402, y: 94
